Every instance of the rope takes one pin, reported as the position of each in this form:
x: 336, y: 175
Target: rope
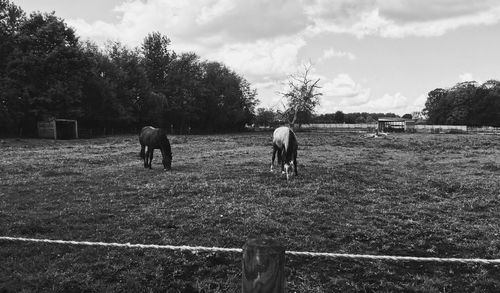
x: 396, y: 258
x: 127, y: 245
x: 239, y: 250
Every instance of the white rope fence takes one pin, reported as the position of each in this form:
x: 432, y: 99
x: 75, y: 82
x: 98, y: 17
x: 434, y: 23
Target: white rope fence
x: 239, y: 250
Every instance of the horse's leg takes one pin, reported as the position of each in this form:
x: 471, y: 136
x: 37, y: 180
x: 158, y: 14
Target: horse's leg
x: 142, y: 154
x: 282, y: 155
x: 295, y: 161
x: 163, y: 154
x: 151, y: 157
x: 274, y: 155
x: 145, y: 158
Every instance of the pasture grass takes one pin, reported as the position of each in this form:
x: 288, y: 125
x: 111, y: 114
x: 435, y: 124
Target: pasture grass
x: 411, y: 195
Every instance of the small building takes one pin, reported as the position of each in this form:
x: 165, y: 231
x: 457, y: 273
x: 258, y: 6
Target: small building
x: 58, y: 129
x: 395, y: 125
x: 410, y: 126
x: 391, y: 124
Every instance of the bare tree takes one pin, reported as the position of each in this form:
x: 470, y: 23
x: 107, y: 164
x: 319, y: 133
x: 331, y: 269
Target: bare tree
x: 302, y: 95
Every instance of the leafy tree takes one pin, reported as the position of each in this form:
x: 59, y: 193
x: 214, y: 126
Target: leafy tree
x: 116, y: 88
x: 459, y: 98
x: 156, y: 60
x: 184, y: 84
x: 339, y: 117
x: 11, y: 106
x: 302, y: 96
x: 265, y: 117
x: 435, y: 106
x: 44, y: 72
x: 228, y: 98
x: 484, y: 109
x: 407, y: 116
x: 466, y: 103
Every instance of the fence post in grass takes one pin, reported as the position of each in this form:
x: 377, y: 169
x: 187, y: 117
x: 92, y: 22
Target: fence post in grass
x: 263, y: 266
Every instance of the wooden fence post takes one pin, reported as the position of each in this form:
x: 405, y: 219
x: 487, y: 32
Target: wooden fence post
x: 263, y: 266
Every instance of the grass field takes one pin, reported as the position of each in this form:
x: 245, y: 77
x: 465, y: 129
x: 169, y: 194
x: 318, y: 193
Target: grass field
x: 409, y: 195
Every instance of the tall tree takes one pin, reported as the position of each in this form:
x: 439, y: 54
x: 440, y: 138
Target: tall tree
x: 11, y: 106
x: 435, y: 106
x: 228, y: 98
x: 47, y: 68
x: 157, y: 57
x: 466, y: 103
x: 184, y: 82
x: 302, y: 96
x: 116, y: 88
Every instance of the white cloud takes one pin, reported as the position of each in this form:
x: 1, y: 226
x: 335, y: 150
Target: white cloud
x: 263, y: 39
x: 262, y: 59
x: 468, y: 77
x: 396, y: 103
x: 392, y: 19
x: 465, y: 77
x: 214, y: 23
x: 332, y: 53
x: 344, y: 94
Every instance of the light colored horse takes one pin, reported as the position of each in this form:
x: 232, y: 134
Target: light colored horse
x: 285, y: 144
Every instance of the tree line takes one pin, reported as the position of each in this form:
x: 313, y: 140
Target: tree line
x: 46, y: 71
x: 270, y: 117
x: 466, y: 103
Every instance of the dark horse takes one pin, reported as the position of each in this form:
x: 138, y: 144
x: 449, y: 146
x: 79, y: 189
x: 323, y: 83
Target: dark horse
x: 285, y: 144
x: 155, y: 138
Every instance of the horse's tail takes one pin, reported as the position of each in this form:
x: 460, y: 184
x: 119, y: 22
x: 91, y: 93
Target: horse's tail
x: 142, y: 154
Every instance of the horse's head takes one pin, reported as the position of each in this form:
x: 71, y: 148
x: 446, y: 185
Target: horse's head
x: 288, y: 170
x: 166, y: 152
x: 167, y: 162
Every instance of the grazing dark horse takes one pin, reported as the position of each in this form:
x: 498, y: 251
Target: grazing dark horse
x: 285, y: 144
x: 155, y: 138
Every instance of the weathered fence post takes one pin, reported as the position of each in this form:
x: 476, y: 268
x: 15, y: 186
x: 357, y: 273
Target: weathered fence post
x: 263, y: 266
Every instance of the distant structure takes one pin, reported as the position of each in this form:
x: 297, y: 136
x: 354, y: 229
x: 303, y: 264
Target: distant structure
x: 395, y: 125
x: 58, y: 129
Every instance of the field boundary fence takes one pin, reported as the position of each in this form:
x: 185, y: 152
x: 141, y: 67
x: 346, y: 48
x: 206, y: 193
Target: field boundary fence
x: 340, y: 127
x: 89, y: 132
x: 419, y: 128
x: 239, y: 250
x: 263, y: 260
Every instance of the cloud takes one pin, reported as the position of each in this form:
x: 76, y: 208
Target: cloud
x: 265, y: 58
x: 422, y: 11
x: 344, y: 94
x: 214, y: 23
x: 398, y: 19
x: 396, y: 103
x: 263, y: 39
x: 332, y: 53
x: 465, y: 77
x: 211, y: 22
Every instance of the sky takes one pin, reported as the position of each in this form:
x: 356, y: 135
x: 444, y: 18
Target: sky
x: 370, y: 55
